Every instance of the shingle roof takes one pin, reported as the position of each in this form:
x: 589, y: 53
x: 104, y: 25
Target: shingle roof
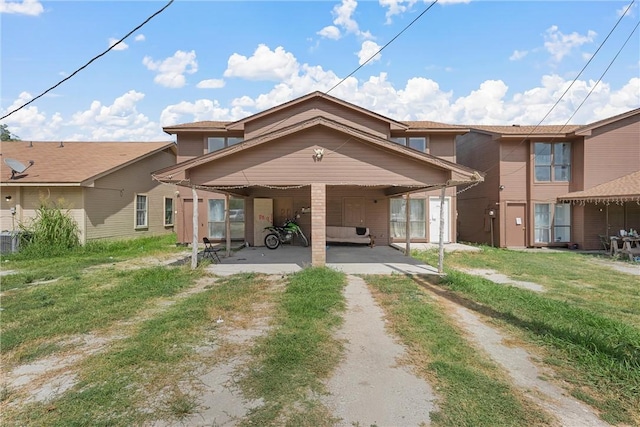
x: 528, y: 130
x: 623, y: 189
x: 70, y: 163
x: 425, y: 124
x: 207, y: 124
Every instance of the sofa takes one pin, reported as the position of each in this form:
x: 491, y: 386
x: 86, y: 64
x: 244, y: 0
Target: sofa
x: 343, y: 234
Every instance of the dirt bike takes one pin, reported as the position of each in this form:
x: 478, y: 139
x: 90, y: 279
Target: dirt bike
x: 284, y: 234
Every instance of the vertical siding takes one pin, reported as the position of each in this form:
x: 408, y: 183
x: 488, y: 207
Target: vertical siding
x: 191, y: 145
x: 480, y: 152
x: 612, y: 151
x: 312, y: 108
x: 110, y: 203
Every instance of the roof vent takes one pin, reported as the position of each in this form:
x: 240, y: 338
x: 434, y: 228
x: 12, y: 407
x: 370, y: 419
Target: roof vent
x: 61, y: 145
x: 516, y: 126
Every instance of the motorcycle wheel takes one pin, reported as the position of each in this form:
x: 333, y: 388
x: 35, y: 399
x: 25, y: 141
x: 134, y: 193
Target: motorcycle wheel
x: 272, y: 241
x: 303, y: 240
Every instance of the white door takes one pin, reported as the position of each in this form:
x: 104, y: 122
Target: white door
x: 434, y: 220
x: 262, y: 217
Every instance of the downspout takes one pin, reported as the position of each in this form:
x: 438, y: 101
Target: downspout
x: 194, y: 243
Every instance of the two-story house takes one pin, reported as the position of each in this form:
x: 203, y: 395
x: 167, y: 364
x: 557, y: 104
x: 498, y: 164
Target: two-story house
x: 551, y: 185
x: 334, y: 163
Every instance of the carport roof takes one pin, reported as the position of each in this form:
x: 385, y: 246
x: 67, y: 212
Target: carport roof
x: 623, y: 189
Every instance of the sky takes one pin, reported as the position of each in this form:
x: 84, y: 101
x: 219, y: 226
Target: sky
x: 458, y: 62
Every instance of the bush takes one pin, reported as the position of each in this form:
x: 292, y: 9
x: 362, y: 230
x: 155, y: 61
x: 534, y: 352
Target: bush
x: 52, y: 232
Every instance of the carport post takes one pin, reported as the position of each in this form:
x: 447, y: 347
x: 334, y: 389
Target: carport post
x: 194, y: 243
x: 407, y: 226
x: 441, y: 241
x: 227, y: 225
x: 318, y: 225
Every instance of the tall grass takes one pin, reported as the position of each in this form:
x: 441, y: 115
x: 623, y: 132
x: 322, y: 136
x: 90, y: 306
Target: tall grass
x: 51, y: 232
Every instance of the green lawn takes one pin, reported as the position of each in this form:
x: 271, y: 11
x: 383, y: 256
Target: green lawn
x: 586, y: 326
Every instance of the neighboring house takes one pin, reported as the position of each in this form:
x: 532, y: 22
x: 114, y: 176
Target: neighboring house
x: 551, y: 185
x: 335, y: 163
x: 106, y: 186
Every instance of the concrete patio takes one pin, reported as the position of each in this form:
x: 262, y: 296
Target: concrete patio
x: 350, y: 259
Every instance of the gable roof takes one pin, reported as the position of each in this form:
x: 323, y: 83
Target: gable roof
x: 517, y: 131
x: 623, y: 189
x: 586, y: 130
x: 463, y: 173
x: 72, y: 163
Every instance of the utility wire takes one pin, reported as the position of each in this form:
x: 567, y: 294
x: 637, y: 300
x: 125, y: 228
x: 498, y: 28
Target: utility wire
x: 383, y: 47
x: 90, y: 61
x: 573, y: 82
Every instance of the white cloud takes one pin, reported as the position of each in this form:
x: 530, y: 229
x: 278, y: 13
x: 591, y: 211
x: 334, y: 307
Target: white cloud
x: 120, y: 46
x: 202, y: 109
x: 518, y: 55
x: 343, y: 19
x: 559, y: 45
x: 26, y: 7
x: 330, y: 32
x: 265, y: 64
x: 396, y: 7
x: 171, y: 70
x: 367, y: 51
x: 626, y: 10
x: 210, y: 84
x: 140, y: 38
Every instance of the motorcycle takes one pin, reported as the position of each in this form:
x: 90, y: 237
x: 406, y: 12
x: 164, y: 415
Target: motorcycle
x: 284, y: 234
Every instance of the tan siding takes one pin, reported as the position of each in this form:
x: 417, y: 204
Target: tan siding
x: 8, y: 222
x: 69, y: 197
x: 110, y: 204
x: 283, y: 117
x: 442, y: 146
x: 612, y: 151
x: 289, y: 161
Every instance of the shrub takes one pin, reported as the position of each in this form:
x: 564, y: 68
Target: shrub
x: 52, y: 232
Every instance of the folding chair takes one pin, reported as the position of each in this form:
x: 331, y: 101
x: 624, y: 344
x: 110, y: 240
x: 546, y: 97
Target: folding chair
x: 210, y: 251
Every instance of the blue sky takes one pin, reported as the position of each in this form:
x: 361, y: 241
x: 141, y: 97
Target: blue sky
x: 466, y: 62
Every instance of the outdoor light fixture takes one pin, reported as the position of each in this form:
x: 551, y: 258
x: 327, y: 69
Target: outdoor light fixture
x: 317, y: 154
x: 7, y: 198
x: 501, y: 187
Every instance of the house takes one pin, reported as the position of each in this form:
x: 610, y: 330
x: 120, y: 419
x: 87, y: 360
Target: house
x: 334, y: 163
x: 107, y: 186
x: 549, y: 186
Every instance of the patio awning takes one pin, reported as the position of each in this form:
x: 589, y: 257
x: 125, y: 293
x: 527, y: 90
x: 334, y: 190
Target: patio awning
x: 623, y: 189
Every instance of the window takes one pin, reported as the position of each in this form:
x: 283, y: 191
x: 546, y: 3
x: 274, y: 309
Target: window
x: 416, y: 142
x: 217, y: 227
x: 552, y: 161
x: 417, y: 218
x: 168, y: 211
x: 552, y: 228
x: 215, y: 143
x: 141, y: 211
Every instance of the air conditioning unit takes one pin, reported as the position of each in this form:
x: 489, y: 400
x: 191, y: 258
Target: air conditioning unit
x: 9, y: 242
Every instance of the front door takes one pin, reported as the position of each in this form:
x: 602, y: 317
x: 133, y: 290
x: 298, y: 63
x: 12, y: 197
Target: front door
x: 262, y: 217
x: 434, y: 220
x: 353, y: 212
x: 515, y: 227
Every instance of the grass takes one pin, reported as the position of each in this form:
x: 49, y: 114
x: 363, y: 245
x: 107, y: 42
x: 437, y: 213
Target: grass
x: 587, y: 323
x: 300, y: 352
x: 472, y: 391
x: 138, y: 371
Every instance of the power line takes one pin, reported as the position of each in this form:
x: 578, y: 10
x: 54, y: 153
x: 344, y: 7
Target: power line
x: 383, y: 47
x: 90, y: 61
x: 572, y: 83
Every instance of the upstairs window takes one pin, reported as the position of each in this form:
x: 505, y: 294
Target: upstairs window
x: 552, y: 161
x: 215, y: 143
x: 416, y: 142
